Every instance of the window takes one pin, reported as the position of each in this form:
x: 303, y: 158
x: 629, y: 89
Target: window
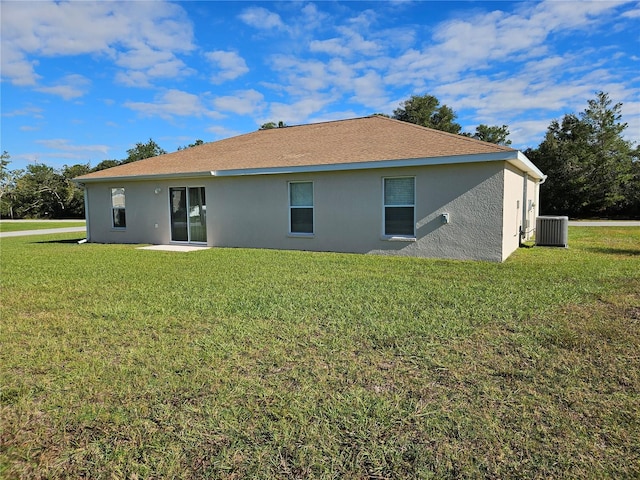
x: 301, y: 208
x: 399, y: 206
x: 117, y: 208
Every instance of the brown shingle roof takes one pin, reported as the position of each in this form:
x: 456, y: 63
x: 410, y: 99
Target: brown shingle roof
x: 367, y: 139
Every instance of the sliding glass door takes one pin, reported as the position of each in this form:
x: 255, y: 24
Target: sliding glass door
x: 188, y: 214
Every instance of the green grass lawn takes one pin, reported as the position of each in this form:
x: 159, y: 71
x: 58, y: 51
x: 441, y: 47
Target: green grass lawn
x: 37, y: 225
x: 233, y: 363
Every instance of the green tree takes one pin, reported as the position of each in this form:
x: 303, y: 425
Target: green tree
x: 104, y: 164
x: 632, y: 191
x: 426, y: 110
x: 492, y: 134
x: 74, y: 195
x: 8, y: 180
x: 40, y: 193
x: 195, y: 144
x: 270, y: 125
x: 590, y: 166
x: 143, y: 150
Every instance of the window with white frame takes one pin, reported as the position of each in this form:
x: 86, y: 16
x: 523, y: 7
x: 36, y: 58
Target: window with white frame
x: 118, y: 216
x: 301, y: 208
x: 399, y: 207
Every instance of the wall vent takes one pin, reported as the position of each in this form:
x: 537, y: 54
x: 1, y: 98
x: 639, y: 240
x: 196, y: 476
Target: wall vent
x: 552, y: 231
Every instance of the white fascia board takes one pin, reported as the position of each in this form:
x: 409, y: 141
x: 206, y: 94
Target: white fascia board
x: 515, y: 157
x: 527, y: 166
x: 130, y: 178
x: 411, y: 162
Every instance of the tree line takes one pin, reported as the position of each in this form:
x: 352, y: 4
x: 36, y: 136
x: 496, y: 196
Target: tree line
x: 592, y: 171
x: 41, y: 191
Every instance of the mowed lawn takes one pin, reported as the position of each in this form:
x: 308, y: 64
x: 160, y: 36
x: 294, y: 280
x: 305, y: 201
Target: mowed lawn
x: 233, y: 363
x: 22, y: 225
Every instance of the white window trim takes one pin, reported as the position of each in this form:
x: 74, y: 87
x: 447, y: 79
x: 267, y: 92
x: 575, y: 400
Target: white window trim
x: 396, y: 237
x: 312, y: 207
x: 113, y: 209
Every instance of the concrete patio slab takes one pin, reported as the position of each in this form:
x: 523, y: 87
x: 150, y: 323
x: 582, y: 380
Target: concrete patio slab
x: 174, y: 248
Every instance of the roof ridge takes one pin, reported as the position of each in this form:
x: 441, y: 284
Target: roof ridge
x: 442, y: 132
x: 315, y: 123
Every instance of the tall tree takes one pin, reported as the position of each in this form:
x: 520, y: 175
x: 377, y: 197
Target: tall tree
x: 41, y: 193
x: 74, y: 196
x: 492, y: 134
x: 8, y: 181
x: 426, y: 110
x: 195, y: 144
x: 144, y: 150
x: 270, y: 125
x: 590, y: 166
x: 104, y: 164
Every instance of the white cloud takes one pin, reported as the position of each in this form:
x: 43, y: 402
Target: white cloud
x: 241, y: 103
x: 62, y: 148
x: 137, y: 35
x: 261, y: 18
x: 222, y: 131
x: 635, y: 13
x: 172, y: 103
x: 230, y: 65
x: 36, y: 112
x: 332, y: 46
x: 15, y: 66
x: 297, y: 112
x: 528, y: 133
x: 69, y: 87
x: 369, y: 91
x: 132, y: 78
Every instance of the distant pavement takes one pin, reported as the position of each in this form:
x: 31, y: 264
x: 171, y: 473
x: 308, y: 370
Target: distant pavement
x: 45, y: 231
x: 604, y: 223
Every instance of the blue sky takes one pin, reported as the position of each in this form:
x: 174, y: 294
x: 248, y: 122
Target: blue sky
x: 84, y: 81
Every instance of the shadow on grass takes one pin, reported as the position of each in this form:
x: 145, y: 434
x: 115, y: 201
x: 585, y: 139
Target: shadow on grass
x: 66, y: 240
x: 614, y: 251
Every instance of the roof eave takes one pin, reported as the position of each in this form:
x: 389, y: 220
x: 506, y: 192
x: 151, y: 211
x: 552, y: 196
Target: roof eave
x: 527, y: 166
x: 125, y: 178
x: 514, y: 157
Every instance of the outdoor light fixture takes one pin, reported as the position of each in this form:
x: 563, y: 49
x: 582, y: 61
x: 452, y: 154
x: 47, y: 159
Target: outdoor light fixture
x: 158, y: 190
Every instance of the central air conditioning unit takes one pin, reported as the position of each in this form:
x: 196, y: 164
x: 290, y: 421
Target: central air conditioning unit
x: 552, y: 231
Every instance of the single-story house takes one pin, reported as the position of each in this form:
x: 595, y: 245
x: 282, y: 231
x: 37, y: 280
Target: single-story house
x: 364, y: 185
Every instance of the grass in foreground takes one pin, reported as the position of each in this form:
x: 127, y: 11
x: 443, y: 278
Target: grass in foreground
x: 37, y: 225
x: 231, y: 363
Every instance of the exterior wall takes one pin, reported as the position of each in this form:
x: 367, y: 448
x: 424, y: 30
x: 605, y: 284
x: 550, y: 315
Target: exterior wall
x: 533, y: 196
x: 147, y: 213
x: 517, y: 206
x: 252, y: 211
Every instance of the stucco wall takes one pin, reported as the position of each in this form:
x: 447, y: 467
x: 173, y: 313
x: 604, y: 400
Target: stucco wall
x: 518, y: 207
x: 147, y: 212
x: 252, y: 211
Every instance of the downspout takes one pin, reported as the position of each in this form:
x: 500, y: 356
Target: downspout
x: 523, y: 224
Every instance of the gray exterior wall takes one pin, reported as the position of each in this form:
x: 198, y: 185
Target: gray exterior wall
x: 520, y: 208
x: 252, y: 211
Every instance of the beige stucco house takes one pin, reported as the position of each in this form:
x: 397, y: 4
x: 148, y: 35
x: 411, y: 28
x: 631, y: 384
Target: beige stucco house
x: 365, y: 185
